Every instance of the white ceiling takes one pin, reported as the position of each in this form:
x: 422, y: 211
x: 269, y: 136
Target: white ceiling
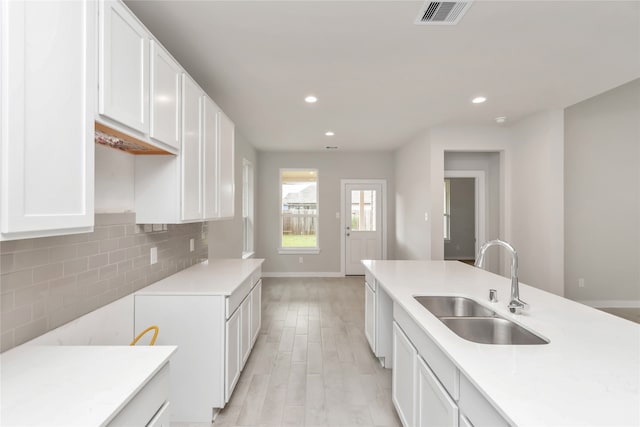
x: 380, y: 78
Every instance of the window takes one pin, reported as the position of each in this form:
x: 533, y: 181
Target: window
x: 247, y: 208
x: 447, y: 209
x: 299, y: 210
x: 363, y: 210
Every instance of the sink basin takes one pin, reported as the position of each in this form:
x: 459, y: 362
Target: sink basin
x: 474, y: 322
x: 450, y: 306
x: 491, y: 330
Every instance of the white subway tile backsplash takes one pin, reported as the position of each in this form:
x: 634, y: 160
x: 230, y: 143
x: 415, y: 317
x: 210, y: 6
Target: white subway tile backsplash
x: 47, y: 282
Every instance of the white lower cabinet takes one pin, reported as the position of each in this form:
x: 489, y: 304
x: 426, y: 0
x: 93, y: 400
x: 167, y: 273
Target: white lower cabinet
x: 256, y: 311
x: 427, y: 388
x: 245, y: 325
x: 403, y: 384
x: 434, y: 405
x: 378, y: 319
x: 149, y: 406
x: 369, y: 315
x: 213, y: 333
x: 232, y: 353
x: 464, y: 421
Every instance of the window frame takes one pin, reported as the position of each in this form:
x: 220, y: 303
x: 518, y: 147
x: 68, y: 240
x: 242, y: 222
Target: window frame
x: 248, y: 198
x: 298, y: 250
x: 447, y: 210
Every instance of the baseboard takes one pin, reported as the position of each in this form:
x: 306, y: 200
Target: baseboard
x: 301, y: 274
x: 612, y: 303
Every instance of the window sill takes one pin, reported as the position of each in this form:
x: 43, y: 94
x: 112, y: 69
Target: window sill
x: 298, y: 251
x: 247, y: 255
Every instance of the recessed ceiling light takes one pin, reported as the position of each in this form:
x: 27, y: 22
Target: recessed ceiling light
x: 329, y: 133
x: 311, y: 99
x: 501, y: 119
x: 478, y: 99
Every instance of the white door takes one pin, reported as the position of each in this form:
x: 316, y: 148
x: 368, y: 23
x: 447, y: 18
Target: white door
x: 403, y: 377
x: 232, y: 354
x: 210, y: 118
x: 363, y: 225
x: 191, y: 151
x: 124, y: 67
x: 165, y: 97
x: 48, y: 93
x: 225, y: 165
x: 434, y: 405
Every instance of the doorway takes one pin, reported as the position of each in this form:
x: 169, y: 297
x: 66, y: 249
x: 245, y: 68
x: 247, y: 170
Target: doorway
x: 363, y: 223
x: 464, y: 208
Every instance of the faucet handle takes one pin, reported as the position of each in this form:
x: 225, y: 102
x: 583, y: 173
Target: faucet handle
x: 516, y: 306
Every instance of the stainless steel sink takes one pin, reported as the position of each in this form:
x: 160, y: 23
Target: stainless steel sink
x: 491, y: 330
x: 450, y: 306
x: 474, y: 322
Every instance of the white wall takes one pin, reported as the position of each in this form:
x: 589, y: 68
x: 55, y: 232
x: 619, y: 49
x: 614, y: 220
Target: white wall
x: 493, y: 139
x: 226, y: 236
x: 602, y: 198
x: 114, y: 182
x: 332, y: 167
x: 413, y: 234
x: 537, y: 199
x: 489, y: 163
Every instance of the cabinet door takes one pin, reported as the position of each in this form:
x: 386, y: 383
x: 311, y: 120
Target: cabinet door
x: 245, y: 323
x: 48, y: 102
x: 370, y: 316
x: 226, y: 164
x: 210, y: 121
x: 165, y: 97
x: 434, y: 405
x: 232, y: 354
x: 191, y: 166
x: 256, y: 311
x: 403, y: 377
x: 124, y: 67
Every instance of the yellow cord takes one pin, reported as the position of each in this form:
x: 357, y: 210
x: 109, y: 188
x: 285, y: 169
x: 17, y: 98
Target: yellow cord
x: 153, y: 340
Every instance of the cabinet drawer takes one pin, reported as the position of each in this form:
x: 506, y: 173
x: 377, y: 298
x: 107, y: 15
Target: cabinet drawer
x: 256, y: 276
x: 444, y: 369
x: 368, y: 278
x: 234, y: 300
x: 142, y: 408
x: 476, y: 407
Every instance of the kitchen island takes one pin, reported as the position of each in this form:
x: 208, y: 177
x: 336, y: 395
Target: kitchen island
x: 588, y: 374
x: 85, y: 385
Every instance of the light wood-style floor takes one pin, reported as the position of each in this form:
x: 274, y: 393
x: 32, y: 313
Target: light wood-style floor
x: 312, y: 365
x: 629, y: 313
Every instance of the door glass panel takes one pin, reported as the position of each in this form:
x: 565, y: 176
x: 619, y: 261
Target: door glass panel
x: 363, y: 210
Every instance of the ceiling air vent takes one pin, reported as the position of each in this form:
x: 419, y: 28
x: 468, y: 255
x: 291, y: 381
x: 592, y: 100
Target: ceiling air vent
x: 442, y: 12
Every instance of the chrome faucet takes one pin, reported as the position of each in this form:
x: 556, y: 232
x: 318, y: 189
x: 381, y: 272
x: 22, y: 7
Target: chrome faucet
x: 516, y: 304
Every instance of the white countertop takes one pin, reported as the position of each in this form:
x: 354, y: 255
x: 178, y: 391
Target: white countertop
x: 589, y: 373
x: 73, y: 385
x: 217, y: 277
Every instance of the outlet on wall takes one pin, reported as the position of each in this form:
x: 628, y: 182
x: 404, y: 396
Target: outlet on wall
x: 153, y: 255
x: 581, y: 282
x: 300, y: 260
x: 192, y: 245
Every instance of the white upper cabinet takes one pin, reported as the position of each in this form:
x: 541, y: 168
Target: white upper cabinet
x: 165, y: 97
x: 210, y: 126
x: 191, y: 154
x: 48, y: 81
x: 226, y: 164
x: 124, y: 67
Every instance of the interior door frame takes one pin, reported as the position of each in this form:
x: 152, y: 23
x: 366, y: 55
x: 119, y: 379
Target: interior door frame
x: 480, y: 202
x: 383, y: 220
